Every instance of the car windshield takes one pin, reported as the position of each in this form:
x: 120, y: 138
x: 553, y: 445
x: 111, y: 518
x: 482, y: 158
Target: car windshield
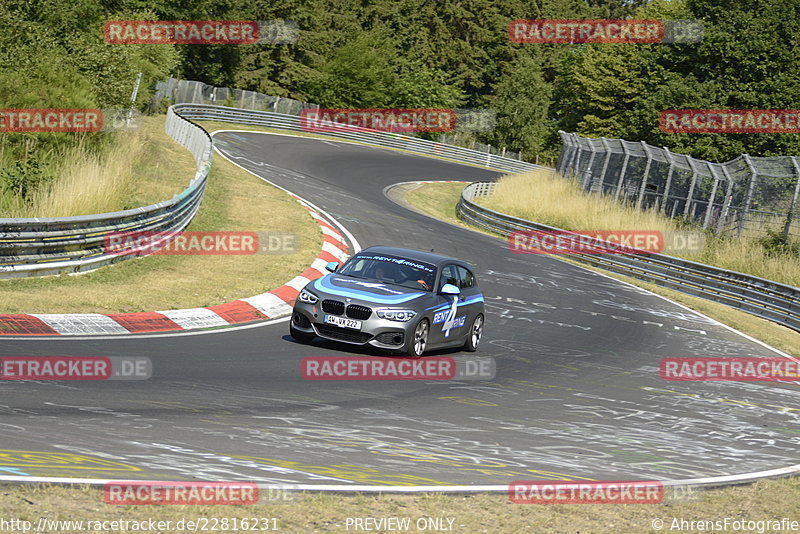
x: 412, y: 274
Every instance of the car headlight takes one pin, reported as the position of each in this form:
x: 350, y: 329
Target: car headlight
x: 396, y: 315
x: 308, y: 297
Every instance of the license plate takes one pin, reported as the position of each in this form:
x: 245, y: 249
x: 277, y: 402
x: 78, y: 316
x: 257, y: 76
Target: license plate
x: 344, y: 323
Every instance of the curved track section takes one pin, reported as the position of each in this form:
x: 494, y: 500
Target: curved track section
x: 577, y: 393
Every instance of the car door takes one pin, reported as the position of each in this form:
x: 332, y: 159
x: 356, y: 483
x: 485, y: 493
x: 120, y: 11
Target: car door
x: 470, y: 298
x: 448, y: 318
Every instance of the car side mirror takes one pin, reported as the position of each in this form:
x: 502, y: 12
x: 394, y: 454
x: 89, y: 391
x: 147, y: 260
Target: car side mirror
x: 450, y: 289
x: 332, y: 266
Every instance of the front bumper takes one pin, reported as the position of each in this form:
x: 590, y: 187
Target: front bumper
x: 376, y: 332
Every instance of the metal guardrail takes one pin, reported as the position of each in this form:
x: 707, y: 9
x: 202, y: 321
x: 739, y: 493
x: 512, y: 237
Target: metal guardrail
x: 375, y: 138
x: 174, y: 91
x: 770, y: 300
x: 48, y: 246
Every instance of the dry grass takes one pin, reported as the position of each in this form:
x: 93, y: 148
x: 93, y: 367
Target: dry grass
x: 550, y: 199
x: 746, y: 255
x: 547, y: 198
x: 234, y: 200
x: 317, y: 513
x: 88, y: 183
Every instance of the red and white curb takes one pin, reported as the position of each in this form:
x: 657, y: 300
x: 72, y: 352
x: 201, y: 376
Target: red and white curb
x: 271, y: 305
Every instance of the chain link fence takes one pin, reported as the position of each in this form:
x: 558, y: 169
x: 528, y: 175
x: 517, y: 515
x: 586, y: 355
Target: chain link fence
x: 744, y: 197
x: 173, y: 91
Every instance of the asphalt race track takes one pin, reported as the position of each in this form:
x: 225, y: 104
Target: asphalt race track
x: 577, y: 393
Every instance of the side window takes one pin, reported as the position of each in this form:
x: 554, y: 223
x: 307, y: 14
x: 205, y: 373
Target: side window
x: 449, y: 276
x: 466, y: 278
x: 357, y: 266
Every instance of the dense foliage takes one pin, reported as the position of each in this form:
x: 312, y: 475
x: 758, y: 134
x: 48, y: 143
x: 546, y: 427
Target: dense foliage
x: 414, y: 53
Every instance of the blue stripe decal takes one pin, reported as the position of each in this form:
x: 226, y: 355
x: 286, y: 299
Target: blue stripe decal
x: 322, y: 284
x: 466, y: 302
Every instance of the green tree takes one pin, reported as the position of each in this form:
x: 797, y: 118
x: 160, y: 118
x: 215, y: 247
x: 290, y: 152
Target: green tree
x: 599, y: 84
x: 522, y: 101
x: 621, y: 90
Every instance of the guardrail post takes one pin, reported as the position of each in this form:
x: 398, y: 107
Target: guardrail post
x: 668, y: 183
x: 587, y: 173
x: 645, y: 175
x: 690, y: 194
x: 710, y: 205
x: 728, y: 198
x: 622, y: 170
x: 597, y: 185
x: 566, y: 152
x: 793, y: 205
x: 197, y: 93
x: 576, y: 156
x: 749, y: 196
x: 172, y: 89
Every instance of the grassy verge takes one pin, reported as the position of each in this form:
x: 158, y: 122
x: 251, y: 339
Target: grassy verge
x: 552, y: 200
x: 317, y: 513
x: 131, y: 171
x: 439, y: 200
x: 234, y: 200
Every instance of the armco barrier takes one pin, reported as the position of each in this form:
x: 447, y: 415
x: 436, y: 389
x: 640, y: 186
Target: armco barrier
x: 407, y: 143
x: 47, y: 246
x: 764, y: 298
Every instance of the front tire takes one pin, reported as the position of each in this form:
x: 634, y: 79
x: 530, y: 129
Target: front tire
x: 419, y: 340
x: 302, y: 337
x: 475, y: 334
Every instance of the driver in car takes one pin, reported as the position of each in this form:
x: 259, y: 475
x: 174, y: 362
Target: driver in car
x: 382, y: 273
x: 426, y: 281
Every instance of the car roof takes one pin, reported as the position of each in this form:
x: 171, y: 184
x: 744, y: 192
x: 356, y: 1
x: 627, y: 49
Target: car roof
x: 429, y: 257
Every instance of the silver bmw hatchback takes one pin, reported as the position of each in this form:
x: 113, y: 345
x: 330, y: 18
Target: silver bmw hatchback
x: 394, y: 299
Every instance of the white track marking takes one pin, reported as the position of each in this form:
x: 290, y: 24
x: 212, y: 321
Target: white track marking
x: 223, y: 330
x: 269, y: 304
x: 725, y: 480
x: 75, y: 324
x: 191, y: 318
